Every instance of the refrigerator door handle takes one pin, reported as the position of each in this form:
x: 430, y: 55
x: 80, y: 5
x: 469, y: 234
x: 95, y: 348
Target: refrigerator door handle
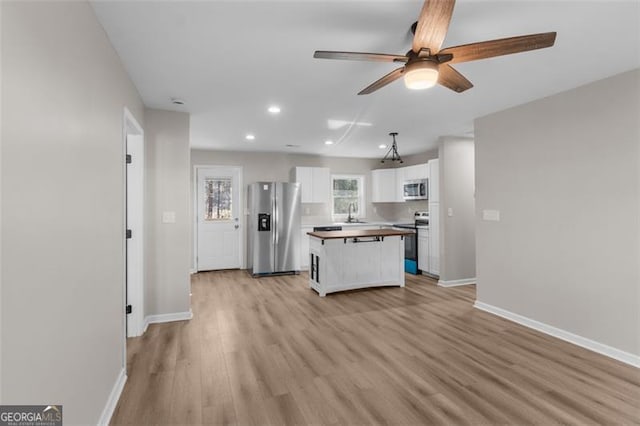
x: 274, y: 227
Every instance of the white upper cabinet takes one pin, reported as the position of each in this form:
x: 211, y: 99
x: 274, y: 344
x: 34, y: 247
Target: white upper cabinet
x: 434, y: 181
x: 314, y: 183
x: 400, y: 178
x: 387, y: 185
x: 419, y: 171
x: 321, y: 184
x: 384, y: 186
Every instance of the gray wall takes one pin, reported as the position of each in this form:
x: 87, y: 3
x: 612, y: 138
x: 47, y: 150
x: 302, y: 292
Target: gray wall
x: 270, y: 166
x: 1, y: 236
x: 563, y: 171
x: 62, y: 207
x: 168, y: 245
x: 457, y: 191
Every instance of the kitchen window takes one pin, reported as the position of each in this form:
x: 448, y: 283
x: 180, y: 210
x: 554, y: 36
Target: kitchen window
x: 347, y: 190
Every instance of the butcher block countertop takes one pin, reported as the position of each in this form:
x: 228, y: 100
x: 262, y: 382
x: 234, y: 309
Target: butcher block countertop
x: 359, y: 233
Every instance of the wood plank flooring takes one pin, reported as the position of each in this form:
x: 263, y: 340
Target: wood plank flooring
x: 270, y: 351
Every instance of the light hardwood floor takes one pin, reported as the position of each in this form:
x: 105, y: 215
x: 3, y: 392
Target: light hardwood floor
x: 270, y: 351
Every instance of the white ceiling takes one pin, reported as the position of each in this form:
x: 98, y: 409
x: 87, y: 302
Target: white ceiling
x: 230, y: 60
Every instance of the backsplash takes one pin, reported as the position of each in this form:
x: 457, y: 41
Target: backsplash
x: 319, y: 213
x: 399, y: 212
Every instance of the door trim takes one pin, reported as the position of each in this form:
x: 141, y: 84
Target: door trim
x: 241, y: 213
x: 135, y: 289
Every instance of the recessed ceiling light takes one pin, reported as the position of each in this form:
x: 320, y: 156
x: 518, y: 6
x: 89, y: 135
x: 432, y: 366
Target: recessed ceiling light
x: 274, y: 109
x: 382, y: 146
x: 250, y: 137
x: 328, y: 142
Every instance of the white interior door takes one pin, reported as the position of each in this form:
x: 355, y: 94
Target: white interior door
x: 218, y: 220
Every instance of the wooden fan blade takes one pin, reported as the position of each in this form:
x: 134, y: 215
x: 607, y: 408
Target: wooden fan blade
x: 452, y: 79
x: 358, y: 56
x: 433, y: 24
x: 389, y: 78
x: 503, y: 46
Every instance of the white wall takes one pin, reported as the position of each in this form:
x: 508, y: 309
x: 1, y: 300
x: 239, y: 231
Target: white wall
x: 564, y: 173
x: 168, y: 245
x: 457, y: 192
x: 63, y: 94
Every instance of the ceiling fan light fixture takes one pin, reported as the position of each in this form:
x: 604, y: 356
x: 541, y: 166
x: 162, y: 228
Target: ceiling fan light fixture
x: 421, y: 75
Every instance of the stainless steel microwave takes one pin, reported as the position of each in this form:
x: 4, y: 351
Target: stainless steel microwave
x: 415, y: 189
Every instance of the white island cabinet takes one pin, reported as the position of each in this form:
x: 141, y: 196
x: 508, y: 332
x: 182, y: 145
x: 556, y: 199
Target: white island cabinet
x: 346, y: 260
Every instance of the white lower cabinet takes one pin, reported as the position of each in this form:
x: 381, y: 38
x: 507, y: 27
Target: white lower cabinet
x: 304, y: 247
x: 361, y: 227
x: 434, y: 238
x: 423, y: 250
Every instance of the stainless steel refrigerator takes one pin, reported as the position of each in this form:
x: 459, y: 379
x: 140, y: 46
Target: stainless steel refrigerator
x: 274, y: 230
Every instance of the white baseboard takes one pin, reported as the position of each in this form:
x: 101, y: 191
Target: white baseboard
x: 112, y: 401
x: 594, y: 346
x: 175, y: 316
x: 455, y: 283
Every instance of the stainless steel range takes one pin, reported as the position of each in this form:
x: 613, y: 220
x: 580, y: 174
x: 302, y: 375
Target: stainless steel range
x: 421, y: 218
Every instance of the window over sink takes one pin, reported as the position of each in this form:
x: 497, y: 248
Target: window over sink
x: 346, y: 191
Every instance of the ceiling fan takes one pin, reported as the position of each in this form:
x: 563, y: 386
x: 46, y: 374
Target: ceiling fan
x: 426, y: 64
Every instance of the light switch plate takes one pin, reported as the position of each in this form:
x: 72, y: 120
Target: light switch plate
x: 450, y: 212
x: 491, y: 215
x: 168, y: 217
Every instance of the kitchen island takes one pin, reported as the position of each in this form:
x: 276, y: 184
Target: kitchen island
x: 351, y: 259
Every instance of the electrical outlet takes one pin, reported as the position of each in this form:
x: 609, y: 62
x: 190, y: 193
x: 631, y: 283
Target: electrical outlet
x: 491, y: 215
x: 168, y: 217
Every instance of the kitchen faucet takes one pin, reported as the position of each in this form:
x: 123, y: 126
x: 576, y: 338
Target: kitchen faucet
x: 349, y: 217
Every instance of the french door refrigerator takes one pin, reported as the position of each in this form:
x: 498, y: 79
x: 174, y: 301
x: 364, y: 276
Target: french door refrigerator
x: 274, y: 230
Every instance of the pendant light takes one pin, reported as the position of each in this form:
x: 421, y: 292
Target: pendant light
x: 392, y: 154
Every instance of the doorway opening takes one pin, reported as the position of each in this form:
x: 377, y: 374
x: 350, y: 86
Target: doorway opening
x: 134, y: 220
